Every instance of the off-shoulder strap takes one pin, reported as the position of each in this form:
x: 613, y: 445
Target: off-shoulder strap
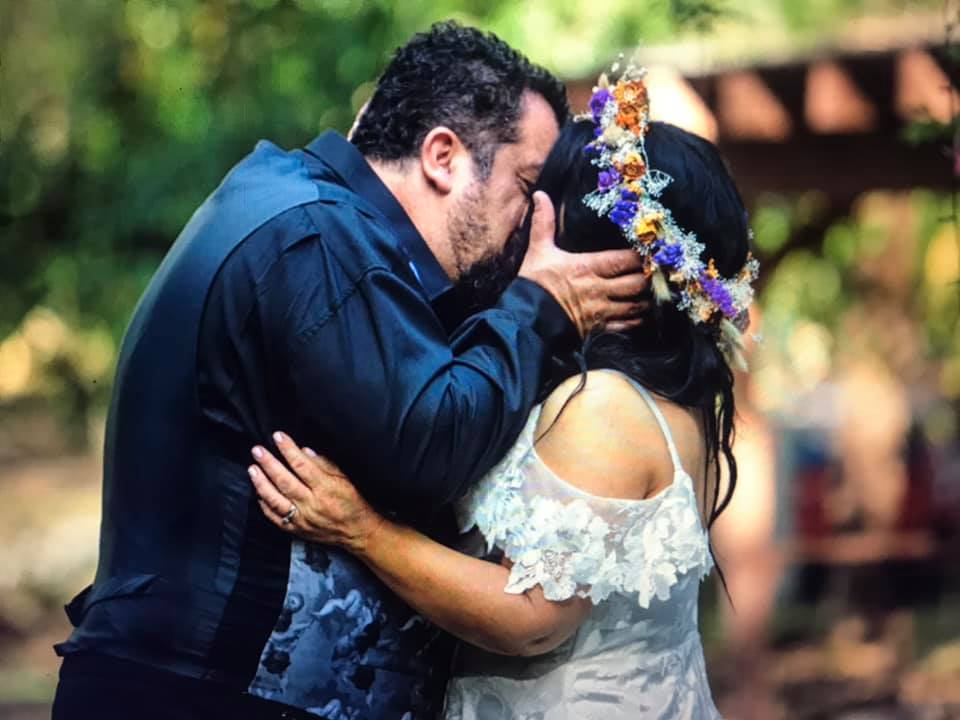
x: 661, y: 421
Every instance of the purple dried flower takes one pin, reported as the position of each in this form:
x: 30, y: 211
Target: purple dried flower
x: 716, y: 291
x: 669, y: 255
x: 599, y: 101
x: 623, y: 213
x: 591, y: 149
x: 607, y: 179
x: 629, y: 195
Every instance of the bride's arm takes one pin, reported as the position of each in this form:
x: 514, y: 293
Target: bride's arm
x: 604, y: 441
x: 463, y: 595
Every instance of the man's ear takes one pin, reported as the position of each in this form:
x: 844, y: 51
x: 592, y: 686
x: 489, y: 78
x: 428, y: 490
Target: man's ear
x: 439, y: 158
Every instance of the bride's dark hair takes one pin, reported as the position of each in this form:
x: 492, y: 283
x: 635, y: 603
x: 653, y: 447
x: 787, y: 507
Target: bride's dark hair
x: 669, y: 354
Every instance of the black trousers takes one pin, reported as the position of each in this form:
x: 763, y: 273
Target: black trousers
x: 99, y: 687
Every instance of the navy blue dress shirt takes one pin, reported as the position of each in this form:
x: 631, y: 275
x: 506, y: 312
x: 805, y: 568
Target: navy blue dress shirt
x: 299, y: 297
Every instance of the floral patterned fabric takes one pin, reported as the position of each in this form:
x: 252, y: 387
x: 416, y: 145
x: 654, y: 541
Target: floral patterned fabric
x: 640, y: 562
x: 346, y: 649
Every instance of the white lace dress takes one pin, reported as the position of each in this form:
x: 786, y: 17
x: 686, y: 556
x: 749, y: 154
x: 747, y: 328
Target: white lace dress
x: 638, y: 654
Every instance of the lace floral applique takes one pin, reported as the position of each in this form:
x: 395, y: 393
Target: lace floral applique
x: 498, y: 504
x: 665, y: 544
x: 559, y: 547
x: 568, y: 548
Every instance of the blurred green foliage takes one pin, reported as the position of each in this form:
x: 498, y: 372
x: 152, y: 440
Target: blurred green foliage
x: 118, y: 117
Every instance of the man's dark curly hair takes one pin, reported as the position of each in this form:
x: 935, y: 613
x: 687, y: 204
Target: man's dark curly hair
x: 459, y: 77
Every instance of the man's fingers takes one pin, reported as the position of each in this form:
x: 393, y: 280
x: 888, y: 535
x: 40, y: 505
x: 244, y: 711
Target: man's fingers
x: 269, y: 495
x: 299, y: 462
x: 616, y: 326
x: 626, y: 286
x: 613, y: 263
x: 284, y: 480
x: 543, y: 225
x: 630, y: 310
x: 617, y: 316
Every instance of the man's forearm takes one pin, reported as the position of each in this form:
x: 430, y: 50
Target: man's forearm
x: 432, y: 414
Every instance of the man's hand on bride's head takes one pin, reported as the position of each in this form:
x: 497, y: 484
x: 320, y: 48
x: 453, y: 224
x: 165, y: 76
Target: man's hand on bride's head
x: 315, y: 501
x: 594, y: 289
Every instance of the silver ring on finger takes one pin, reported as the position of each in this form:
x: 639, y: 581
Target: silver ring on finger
x: 291, y: 514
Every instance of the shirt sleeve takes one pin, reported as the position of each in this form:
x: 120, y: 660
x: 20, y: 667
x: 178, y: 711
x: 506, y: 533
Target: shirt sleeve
x: 412, y: 414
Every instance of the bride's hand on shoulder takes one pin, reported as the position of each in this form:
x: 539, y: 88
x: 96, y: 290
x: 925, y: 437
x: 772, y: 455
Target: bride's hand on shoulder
x: 315, y: 501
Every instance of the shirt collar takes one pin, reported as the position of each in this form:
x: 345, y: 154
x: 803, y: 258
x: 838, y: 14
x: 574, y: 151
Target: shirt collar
x: 345, y: 160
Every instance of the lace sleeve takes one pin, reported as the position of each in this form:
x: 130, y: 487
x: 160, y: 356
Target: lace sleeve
x: 571, y: 543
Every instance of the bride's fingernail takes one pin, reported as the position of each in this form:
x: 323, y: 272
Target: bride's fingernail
x: 258, y: 452
x: 309, y: 452
x: 252, y: 470
x: 278, y: 437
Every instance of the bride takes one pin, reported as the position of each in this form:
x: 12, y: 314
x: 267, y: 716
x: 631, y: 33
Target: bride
x: 580, y: 600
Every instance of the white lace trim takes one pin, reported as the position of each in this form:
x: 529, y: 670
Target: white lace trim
x: 569, y: 548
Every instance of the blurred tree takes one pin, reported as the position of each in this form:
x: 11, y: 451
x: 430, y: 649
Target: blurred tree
x: 118, y: 118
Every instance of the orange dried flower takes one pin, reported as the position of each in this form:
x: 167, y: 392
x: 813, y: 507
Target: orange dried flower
x: 632, y: 105
x: 633, y: 168
x: 629, y: 119
x: 632, y: 92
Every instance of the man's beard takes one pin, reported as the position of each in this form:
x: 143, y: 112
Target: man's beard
x: 481, y: 281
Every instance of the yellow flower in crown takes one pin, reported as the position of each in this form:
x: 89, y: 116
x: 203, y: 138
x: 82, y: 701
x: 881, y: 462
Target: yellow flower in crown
x: 632, y: 167
x: 649, y: 227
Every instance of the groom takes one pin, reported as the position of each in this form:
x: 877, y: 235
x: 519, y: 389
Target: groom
x: 335, y: 275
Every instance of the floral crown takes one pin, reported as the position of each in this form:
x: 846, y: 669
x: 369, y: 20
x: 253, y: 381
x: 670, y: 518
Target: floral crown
x: 627, y: 192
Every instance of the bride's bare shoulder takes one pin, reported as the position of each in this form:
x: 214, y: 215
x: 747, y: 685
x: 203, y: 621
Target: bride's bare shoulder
x: 591, y: 388
x: 597, y: 432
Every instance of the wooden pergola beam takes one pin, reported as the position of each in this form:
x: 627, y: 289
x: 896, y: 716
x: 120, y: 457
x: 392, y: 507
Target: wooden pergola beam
x: 778, y: 138
x: 837, y: 165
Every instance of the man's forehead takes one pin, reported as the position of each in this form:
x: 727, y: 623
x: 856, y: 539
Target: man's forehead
x: 538, y: 130
x: 527, y: 158
x: 521, y: 158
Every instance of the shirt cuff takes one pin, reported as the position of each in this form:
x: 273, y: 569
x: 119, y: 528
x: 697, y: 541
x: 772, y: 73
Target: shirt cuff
x: 534, y: 306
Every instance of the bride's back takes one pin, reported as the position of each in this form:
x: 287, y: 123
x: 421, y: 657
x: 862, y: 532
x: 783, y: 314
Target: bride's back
x: 628, y: 456
x: 614, y: 529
